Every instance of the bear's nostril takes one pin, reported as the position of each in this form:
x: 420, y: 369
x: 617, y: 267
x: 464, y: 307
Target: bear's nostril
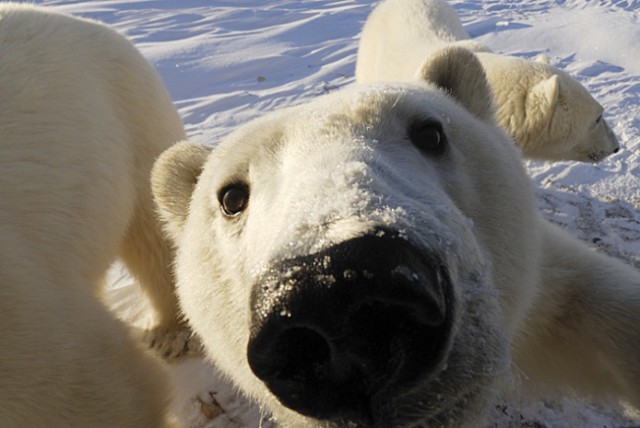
x: 300, y: 366
x: 304, y: 354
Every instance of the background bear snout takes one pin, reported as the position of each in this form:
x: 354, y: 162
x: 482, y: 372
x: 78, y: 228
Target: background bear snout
x: 337, y: 334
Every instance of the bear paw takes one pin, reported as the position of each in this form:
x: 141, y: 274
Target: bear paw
x: 172, y: 344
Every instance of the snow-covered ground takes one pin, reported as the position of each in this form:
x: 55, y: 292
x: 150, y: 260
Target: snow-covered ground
x: 227, y: 61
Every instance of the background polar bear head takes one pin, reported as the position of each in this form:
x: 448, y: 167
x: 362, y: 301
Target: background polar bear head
x: 549, y: 114
x: 347, y: 262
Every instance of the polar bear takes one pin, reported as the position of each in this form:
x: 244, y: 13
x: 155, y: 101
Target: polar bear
x: 549, y: 114
x: 82, y: 118
x: 376, y: 258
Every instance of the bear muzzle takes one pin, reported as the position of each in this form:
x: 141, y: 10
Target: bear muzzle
x: 339, y: 334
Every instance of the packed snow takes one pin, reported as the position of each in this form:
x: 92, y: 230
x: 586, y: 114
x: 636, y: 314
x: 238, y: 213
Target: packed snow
x: 228, y: 61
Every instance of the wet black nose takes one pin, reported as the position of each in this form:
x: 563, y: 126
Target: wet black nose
x: 337, y: 333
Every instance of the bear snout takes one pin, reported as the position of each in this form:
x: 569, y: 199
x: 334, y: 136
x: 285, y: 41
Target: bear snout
x: 337, y: 334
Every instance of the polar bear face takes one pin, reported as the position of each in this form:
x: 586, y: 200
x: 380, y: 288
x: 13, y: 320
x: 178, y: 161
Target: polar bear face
x: 577, y: 122
x: 549, y: 114
x: 361, y: 260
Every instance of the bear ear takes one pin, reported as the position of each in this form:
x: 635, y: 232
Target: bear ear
x: 173, y: 179
x: 459, y: 72
x: 542, y: 99
x: 543, y: 59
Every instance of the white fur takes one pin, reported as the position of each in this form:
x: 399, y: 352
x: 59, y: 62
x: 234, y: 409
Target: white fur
x: 549, y: 114
x: 82, y: 118
x: 343, y: 166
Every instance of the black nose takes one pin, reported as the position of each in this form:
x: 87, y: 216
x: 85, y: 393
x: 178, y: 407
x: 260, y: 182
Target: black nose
x: 337, y: 333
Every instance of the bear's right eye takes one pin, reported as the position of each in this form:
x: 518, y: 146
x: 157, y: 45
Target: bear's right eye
x: 234, y: 199
x: 429, y: 137
x: 598, y: 120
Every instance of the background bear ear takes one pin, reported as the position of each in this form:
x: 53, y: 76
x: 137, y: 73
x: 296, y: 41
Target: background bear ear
x: 543, y: 59
x: 542, y: 99
x: 459, y: 72
x: 173, y: 179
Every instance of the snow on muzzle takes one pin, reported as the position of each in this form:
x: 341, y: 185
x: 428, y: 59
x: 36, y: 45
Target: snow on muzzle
x: 336, y: 334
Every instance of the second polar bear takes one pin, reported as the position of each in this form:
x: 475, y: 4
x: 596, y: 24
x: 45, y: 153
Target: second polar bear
x: 376, y: 259
x: 82, y: 118
x: 548, y: 113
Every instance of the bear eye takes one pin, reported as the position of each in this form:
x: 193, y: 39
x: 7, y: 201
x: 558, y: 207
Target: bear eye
x: 428, y: 137
x: 234, y: 199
